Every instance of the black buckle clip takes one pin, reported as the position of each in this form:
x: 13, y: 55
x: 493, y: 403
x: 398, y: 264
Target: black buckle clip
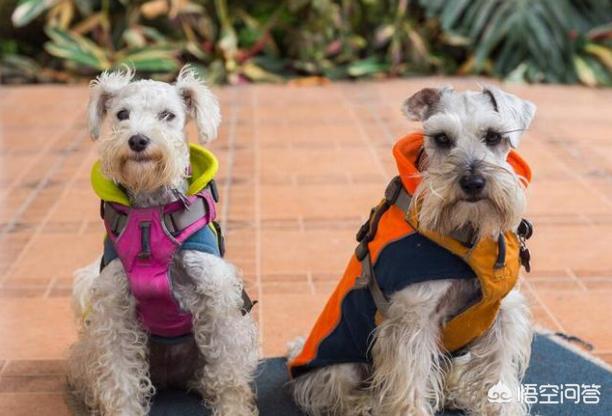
x: 362, y: 250
x: 365, y: 227
x: 393, y: 190
x: 525, y: 229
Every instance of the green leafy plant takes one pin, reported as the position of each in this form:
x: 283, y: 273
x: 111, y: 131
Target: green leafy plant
x: 557, y: 41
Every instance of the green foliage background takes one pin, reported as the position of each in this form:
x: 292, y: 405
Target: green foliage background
x: 232, y: 41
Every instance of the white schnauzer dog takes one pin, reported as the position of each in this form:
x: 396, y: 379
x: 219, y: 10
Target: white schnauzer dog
x: 427, y: 315
x: 165, y: 310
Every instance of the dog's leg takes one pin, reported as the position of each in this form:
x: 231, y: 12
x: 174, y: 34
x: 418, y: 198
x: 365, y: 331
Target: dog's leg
x: 226, y: 338
x: 334, y: 390
x: 408, y: 365
x: 108, y: 365
x: 500, y: 355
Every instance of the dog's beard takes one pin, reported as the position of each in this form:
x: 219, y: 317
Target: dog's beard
x: 162, y: 164
x: 444, y: 208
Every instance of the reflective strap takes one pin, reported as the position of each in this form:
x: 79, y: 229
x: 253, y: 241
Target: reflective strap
x: 177, y: 221
x: 115, y: 220
x: 367, y: 274
x: 403, y: 200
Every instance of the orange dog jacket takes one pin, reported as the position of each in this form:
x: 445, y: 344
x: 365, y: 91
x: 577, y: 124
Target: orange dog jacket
x: 394, y: 252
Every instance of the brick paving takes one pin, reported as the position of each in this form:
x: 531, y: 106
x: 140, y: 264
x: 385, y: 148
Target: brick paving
x: 300, y: 168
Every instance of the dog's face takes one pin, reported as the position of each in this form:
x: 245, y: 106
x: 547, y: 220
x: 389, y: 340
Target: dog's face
x: 146, y: 148
x: 467, y: 182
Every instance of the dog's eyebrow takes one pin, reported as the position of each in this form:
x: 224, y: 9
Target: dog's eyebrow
x: 493, y: 100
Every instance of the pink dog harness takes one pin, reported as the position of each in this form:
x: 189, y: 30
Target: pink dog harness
x: 146, y: 240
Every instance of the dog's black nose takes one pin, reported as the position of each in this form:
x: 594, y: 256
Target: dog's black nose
x: 472, y: 184
x: 138, y: 142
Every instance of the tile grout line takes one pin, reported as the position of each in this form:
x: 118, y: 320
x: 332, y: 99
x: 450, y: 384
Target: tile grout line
x: 82, y: 227
x: 379, y: 122
x: 68, y: 186
x: 578, y: 177
x: 257, y: 212
x: 41, y: 185
x: 544, y: 306
x: 310, y: 282
x: 363, y: 133
x: 231, y: 135
x: 575, y: 278
x: 43, y: 222
x: 34, y: 161
x: 49, y: 287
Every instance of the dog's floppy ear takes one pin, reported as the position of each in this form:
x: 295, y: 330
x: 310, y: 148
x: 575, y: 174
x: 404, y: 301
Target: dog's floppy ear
x: 421, y: 105
x: 511, y: 107
x: 102, y: 89
x: 200, y: 102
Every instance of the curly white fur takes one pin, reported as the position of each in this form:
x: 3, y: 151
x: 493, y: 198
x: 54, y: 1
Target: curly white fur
x: 201, y: 104
x: 210, y: 289
x: 410, y: 374
x: 109, y: 364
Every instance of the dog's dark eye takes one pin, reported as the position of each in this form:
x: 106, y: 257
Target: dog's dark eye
x: 166, y: 115
x: 123, y: 115
x: 492, y: 138
x: 442, y: 140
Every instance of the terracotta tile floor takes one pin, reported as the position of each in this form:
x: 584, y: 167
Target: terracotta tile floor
x: 300, y: 168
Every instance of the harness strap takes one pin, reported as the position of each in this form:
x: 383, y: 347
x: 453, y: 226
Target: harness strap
x: 367, y: 274
x: 175, y: 222
x: 395, y: 194
x: 115, y: 219
x: 403, y: 200
x: 368, y: 230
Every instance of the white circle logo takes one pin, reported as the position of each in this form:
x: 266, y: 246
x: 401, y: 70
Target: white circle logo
x: 499, y: 393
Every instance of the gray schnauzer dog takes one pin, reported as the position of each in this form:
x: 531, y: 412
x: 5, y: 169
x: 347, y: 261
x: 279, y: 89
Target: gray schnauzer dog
x: 116, y: 364
x: 467, y: 188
